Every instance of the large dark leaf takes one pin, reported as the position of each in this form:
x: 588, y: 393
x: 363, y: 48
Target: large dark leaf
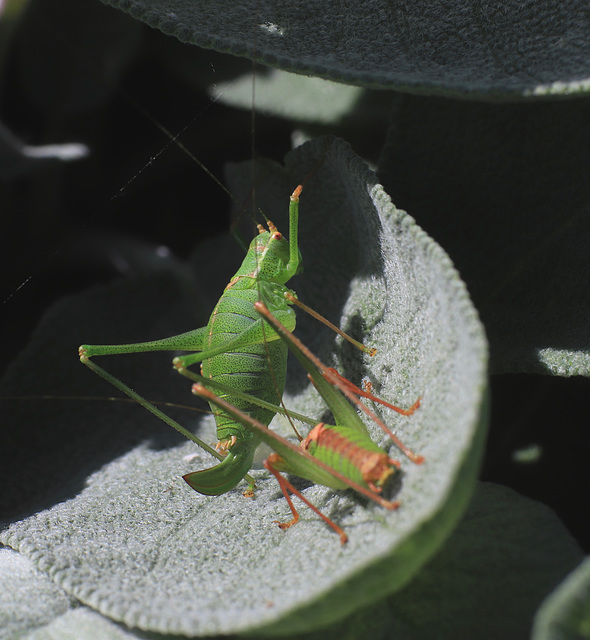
x: 450, y: 47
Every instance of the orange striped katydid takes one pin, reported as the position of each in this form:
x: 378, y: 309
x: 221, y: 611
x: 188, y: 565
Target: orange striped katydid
x: 240, y: 355
x: 339, y: 456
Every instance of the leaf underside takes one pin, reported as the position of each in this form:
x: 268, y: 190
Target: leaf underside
x: 482, y: 50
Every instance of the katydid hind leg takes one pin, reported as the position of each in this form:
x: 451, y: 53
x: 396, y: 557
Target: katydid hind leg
x: 121, y: 386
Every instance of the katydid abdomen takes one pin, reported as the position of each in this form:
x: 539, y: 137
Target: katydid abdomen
x: 258, y: 370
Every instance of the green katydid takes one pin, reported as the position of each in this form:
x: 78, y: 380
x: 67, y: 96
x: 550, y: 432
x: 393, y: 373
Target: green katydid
x: 240, y: 355
x: 339, y: 456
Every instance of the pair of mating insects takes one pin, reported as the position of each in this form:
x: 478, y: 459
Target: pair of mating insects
x: 243, y: 355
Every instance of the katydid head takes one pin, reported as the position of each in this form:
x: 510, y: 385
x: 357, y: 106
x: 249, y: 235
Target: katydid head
x: 269, y: 258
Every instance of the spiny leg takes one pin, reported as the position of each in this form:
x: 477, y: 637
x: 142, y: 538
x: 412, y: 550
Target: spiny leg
x: 367, y: 394
x: 294, y: 300
x: 286, y: 486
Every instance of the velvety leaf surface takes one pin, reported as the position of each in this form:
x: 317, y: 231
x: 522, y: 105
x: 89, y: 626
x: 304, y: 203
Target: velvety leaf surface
x: 29, y: 598
x: 515, y: 49
x: 93, y: 490
x: 83, y: 623
x: 504, y: 556
x: 504, y: 188
x: 32, y: 606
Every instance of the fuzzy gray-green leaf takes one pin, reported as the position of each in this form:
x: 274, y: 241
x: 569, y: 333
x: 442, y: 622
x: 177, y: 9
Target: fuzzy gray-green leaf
x: 95, y: 488
x: 29, y: 598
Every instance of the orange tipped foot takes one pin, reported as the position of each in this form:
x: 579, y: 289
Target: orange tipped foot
x: 286, y: 486
x: 285, y: 525
x: 413, y: 408
x: 416, y: 459
x: 295, y: 195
